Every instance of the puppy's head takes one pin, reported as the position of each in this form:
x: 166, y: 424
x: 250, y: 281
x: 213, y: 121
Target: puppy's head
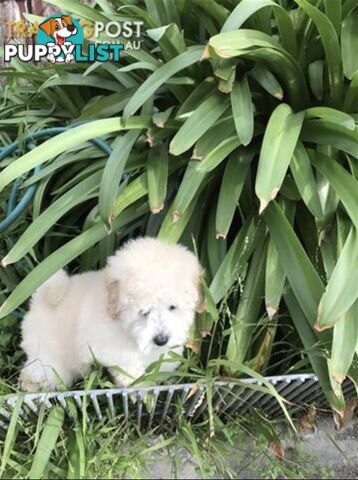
x: 59, y: 28
x: 153, y: 288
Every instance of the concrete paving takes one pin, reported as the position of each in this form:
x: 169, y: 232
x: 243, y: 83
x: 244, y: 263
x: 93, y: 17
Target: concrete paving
x: 335, y: 451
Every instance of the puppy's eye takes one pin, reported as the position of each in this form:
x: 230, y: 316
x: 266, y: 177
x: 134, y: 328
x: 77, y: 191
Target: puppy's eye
x: 173, y: 307
x: 144, y: 313
x: 57, y: 27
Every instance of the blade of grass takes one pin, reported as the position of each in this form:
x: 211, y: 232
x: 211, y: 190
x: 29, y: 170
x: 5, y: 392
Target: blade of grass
x: 47, y: 443
x: 261, y: 380
x: 11, y: 434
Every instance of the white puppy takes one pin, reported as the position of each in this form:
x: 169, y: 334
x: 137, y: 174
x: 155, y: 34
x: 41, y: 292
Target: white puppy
x: 127, y: 315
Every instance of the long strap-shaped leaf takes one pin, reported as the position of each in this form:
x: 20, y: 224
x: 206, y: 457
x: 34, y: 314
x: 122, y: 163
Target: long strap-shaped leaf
x: 231, y: 188
x: 344, y: 344
x: 83, y: 11
x: 341, y: 291
x: 310, y: 341
x: 246, y: 8
x: 75, y: 136
x: 259, y: 46
x: 11, y: 434
x: 345, y: 186
x: 327, y: 133
x: 235, y: 259
x: 188, y: 188
x: 278, y: 145
x: 268, y: 82
x: 76, y: 195
x: 160, y: 76
x: 302, y: 276
x: 218, y: 154
x: 349, y: 39
x: 345, y: 332
x: 112, y: 173
x: 198, y: 123
x: 47, y: 442
x: 283, y: 65
x: 157, y: 176
x: 243, y: 110
x: 228, y: 44
x: 330, y: 42
x: 246, y: 317
x: 303, y: 175
x: 274, y: 274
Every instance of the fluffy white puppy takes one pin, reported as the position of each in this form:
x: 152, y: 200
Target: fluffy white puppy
x: 139, y: 307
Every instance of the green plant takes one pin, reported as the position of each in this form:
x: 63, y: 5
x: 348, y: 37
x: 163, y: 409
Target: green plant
x: 238, y: 136
x: 57, y: 446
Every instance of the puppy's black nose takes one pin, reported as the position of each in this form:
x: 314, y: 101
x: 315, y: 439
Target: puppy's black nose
x: 70, y: 28
x: 160, y: 340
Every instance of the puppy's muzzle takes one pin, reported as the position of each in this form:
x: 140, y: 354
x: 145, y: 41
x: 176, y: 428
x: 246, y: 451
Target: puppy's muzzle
x: 161, y: 339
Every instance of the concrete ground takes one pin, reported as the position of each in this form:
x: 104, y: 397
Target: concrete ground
x: 335, y: 451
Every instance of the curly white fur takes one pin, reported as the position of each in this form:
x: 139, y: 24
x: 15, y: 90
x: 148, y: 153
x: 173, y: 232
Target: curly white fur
x: 148, y: 293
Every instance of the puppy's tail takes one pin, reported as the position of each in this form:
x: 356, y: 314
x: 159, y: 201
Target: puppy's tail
x: 54, y: 290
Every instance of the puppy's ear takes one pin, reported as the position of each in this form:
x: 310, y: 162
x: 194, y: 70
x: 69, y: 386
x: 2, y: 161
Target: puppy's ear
x: 67, y: 19
x: 200, y: 306
x: 112, y: 287
x: 48, y: 26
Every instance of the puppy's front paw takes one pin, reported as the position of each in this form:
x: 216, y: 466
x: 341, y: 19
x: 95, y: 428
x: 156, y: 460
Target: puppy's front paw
x: 37, y: 378
x: 125, y: 379
x: 122, y: 381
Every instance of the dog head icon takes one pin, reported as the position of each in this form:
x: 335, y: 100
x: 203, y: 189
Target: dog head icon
x: 59, y: 28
